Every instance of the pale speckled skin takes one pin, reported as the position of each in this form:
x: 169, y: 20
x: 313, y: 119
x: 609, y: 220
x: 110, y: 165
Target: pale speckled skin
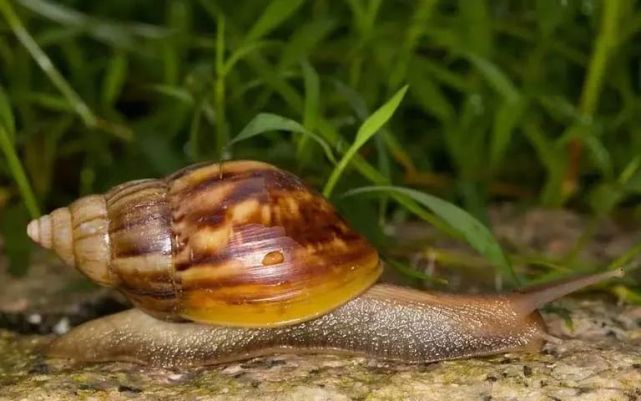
x: 386, y: 322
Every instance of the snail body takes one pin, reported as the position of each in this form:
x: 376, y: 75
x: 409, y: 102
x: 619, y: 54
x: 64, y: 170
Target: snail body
x: 229, y: 262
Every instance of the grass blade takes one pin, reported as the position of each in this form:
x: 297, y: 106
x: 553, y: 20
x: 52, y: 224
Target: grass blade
x: 310, y: 108
x: 174, y: 92
x: 6, y: 116
x: 266, y: 122
x: 46, y: 65
x: 16, y: 169
x: 240, y: 53
x: 276, y: 12
x: 220, y: 88
x: 304, y: 41
x: 115, y: 77
x: 506, y: 120
x: 473, y: 231
x: 495, y: 77
x: 312, y: 89
x: 44, y: 62
x: 124, y: 35
x: 365, y: 132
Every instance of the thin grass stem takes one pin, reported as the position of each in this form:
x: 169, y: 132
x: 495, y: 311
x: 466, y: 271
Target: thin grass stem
x: 17, y: 171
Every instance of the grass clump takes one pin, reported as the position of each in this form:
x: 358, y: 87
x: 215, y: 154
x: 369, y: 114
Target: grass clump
x: 531, y: 102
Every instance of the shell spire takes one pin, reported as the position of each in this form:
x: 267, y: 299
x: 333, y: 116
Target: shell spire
x: 78, y: 234
x: 53, y: 231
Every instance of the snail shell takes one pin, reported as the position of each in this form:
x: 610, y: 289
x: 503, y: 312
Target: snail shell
x: 240, y: 244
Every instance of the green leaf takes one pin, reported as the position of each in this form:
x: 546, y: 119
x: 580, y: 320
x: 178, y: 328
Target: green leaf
x: 630, y: 171
x: 6, y: 115
x: 550, y: 15
x: 365, y: 132
x: 310, y: 110
x: 429, y: 95
x: 111, y: 32
x: 272, y: 79
x: 495, y: 77
x: 274, y: 14
x: 175, y: 92
x: 114, y: 78
x: 506, y: 120
x: 312, y: 93
x: 266, y: 122
x: 415, y: 30
x: 355, y: 100
x: 304, y: 40
x: 476, y: 17
x: 17, y: 171
x: 194, y: 131
x: 600, y: 155
x: 604, y: 197
x: 441, y: 73
x: 57, y: 79
x: 473, y: 231
x: 240, y: 53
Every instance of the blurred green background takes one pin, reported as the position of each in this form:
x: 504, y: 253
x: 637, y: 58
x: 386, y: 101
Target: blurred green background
x: 535, y: 102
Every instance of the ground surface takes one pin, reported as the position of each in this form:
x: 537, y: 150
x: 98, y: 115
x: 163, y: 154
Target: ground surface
x: 598, y: 358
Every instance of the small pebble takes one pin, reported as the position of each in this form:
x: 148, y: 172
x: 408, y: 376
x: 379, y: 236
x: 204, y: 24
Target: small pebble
x: 62, y: 326
x: 34, y: 318
x: 175, y: 377
x: 232, y: 369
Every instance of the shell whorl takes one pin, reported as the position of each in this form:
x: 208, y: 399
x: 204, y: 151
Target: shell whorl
x: 242, y: 244
x: 79, y: 235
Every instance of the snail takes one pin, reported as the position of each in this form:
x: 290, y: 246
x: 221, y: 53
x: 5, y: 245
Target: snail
x: 225, y: 262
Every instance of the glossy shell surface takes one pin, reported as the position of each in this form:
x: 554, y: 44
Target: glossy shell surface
x: 242, y: 244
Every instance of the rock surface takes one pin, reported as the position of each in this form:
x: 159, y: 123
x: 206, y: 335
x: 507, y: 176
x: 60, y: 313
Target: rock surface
x: 598, y: 358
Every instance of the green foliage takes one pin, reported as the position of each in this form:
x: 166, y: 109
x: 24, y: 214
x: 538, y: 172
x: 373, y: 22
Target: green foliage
x: 502, y: 98
x: 475, y: 233
x: 365, y: 132
x: 265, y: 122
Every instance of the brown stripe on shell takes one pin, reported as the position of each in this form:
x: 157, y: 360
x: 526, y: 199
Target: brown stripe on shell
x: 147, y: 284
x: 89, y: 220
x: 223, y: 273
x: 142, y: 245
x: 118, y: 192
x: 303, y: 215
x: 191, y: 177
x: 144, y: 197
x: 139, y: 223
x: 250, y: 246
x: 243, y: 185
